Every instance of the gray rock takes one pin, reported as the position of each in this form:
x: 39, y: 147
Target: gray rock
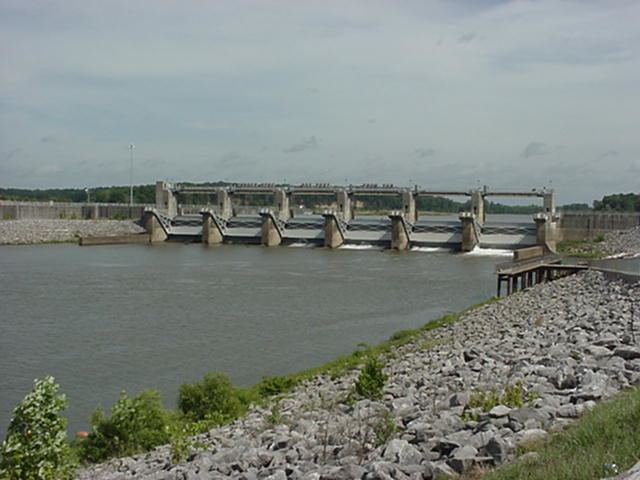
x: 497, y: 449
x: 400, y: 451
x: 524, y: 414
x: 499, y: 411
x: 277, y: 475
x: 628, y: 353
x: 462, y: 458
x: 532, y: 436
x: 459, y: 399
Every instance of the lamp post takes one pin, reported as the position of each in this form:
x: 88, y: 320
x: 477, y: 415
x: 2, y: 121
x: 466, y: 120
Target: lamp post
x: 131, y: 147
x: 86, y: 190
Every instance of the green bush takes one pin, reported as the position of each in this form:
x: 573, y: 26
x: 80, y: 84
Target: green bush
x: 370, y: 382
x: 213, y: 395
x: 271, y: 386
x: 36, y: 446
x: 514, y: 396
x: 135, y: 425
x: 385, y: 429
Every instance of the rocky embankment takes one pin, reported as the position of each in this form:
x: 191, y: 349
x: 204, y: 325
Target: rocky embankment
x: 621, y: 242
x: 617, y: 243
x: 25, y: 232
x: 537, y: 360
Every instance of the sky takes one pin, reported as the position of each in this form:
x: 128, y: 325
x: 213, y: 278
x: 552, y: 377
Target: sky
x: 443, y: 94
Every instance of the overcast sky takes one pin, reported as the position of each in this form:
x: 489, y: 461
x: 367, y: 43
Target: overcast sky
x: 445, y: 94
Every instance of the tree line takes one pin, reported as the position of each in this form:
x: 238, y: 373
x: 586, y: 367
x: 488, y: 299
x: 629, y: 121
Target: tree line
x: 619, y: 202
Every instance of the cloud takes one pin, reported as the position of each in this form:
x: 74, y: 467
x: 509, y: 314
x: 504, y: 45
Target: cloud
x: 467, y: 37
x: 48, y: 139
x: 607, y: 154
x: 307, y: 144
x: 424, y: 152
x: 536, y: 148
x: 6, y: 156
x: 227, y: 89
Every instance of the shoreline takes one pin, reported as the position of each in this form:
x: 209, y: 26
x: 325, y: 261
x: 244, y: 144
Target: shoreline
x: 434, y: 374
x: 45, y: 231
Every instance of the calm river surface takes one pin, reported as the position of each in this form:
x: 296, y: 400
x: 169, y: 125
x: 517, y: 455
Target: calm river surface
x: 132, y: 317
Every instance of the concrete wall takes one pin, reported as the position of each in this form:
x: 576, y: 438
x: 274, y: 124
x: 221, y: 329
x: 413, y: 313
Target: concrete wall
x: 52, y: 210
x: 588, y: 225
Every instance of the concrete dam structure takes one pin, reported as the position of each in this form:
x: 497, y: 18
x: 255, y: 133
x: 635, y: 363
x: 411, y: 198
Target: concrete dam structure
x: 401, y: 229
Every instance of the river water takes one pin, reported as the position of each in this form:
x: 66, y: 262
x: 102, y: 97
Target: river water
x: 132, y: 317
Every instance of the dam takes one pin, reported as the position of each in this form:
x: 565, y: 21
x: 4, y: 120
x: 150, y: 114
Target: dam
x: 400, y: 229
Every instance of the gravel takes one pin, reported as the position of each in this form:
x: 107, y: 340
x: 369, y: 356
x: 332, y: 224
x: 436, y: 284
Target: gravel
x: 568, y: 344
x: 25, y: 232
x: 620, y: 242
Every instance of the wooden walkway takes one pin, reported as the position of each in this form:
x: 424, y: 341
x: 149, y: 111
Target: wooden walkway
x: 522, y: 274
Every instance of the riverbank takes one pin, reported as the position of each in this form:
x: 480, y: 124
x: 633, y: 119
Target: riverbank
x: 465, y: 395
x: 34, y: 231
x: 620, y: 243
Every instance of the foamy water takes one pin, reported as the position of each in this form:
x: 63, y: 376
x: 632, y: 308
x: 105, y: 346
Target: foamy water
x: 490, y: 252
x: 360, y: 246
x: 302, y: 245
x: 429, y: 249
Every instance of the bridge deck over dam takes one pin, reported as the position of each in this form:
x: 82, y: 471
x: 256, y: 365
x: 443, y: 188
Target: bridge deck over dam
x: 400, y: 229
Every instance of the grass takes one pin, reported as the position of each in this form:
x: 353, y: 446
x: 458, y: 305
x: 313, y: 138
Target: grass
x: 609, y: 434
x: 581, y: 248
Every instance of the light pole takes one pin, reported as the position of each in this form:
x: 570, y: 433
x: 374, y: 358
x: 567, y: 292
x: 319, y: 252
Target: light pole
x: 86, y: 190
x: 131, y: 147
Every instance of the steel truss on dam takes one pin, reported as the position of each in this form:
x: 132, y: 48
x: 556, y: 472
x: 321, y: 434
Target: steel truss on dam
x: 400, y: 230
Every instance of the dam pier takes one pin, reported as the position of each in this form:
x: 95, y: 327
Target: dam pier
x: 401, y: 229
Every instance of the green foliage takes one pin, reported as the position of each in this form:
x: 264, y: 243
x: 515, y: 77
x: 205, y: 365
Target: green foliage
x: 514, y: 396
x: 182, y: 441
x: 385, y: 429
x: 619, y: 202
x: 581, y: 248
x: 214, y: 394
x: 402, y: 335
x: 277, y: 385
x: 575, y: 207
x: 36, y: 445
x: 8, y: 216
x: 274, y: 417
x: 370, y: 382
x: 136, y: 424
x: 610, y: 434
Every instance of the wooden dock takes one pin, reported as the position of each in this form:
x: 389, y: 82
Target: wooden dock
x: 529, y: 269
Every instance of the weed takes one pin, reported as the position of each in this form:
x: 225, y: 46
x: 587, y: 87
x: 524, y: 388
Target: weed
x: 384, y: 429
x: 275, y: 417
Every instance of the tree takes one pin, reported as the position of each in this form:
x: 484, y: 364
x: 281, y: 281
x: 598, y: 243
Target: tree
x: 36, y: 446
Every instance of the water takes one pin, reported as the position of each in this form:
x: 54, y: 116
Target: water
x: 132, y: 317
x: 627, y: 265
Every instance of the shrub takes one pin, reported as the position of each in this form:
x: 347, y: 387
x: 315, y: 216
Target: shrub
x: 213, y: 395
x: 385, y: 429
x: 514, y: 396
x: 370, y: 382
x: 272, y: 386
x: 36, y: 446
x: 136, y: 424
